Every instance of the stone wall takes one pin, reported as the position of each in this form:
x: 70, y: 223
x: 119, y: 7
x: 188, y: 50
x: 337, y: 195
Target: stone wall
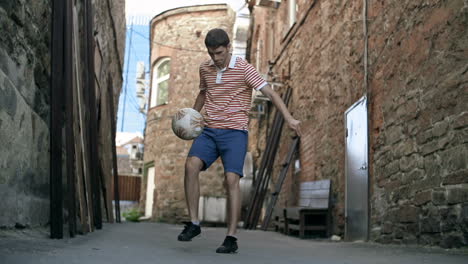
x: 179, y: 34
x: 419, y: 81
x: 24, y: 101
x: 24, y: 112
x: 418, y: 118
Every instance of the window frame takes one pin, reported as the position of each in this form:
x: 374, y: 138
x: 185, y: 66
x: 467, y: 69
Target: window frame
x: 155, y: 81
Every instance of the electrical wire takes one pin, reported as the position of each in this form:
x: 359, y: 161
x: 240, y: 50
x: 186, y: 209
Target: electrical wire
x: 166, y: 45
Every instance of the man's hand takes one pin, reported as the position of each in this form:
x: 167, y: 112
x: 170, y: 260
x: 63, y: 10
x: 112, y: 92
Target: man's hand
x: 296, y: 126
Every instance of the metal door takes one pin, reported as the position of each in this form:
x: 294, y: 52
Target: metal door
x: 357, y: 177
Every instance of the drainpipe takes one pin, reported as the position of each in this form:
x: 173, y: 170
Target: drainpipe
x: 366, y: 45
x: 368, y: 95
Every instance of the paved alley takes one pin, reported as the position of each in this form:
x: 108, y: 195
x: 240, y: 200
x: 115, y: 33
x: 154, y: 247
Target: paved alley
x: 157, y: 243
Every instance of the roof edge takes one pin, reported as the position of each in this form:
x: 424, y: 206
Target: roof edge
x: 185, y: 9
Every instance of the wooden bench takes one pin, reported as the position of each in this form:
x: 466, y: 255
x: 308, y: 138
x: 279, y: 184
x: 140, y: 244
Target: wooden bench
x: 314, y: 210
x: 278, y: 220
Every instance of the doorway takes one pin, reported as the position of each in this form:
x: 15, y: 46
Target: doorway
x: 356, y: 172
x: 149, y: 191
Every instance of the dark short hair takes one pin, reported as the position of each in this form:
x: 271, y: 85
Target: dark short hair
x: 216, y: 37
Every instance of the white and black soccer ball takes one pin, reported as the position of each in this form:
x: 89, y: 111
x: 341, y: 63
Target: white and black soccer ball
x: 187, y: 123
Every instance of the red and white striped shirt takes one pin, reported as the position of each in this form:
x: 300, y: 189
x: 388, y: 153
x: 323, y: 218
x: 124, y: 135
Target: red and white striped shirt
x: 229, y: 92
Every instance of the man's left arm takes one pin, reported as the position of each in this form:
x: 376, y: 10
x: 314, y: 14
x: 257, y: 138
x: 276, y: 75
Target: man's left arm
x: 293, y: 123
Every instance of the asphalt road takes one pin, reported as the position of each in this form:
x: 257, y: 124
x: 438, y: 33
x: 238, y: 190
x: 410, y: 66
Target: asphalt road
x: 157, y: 243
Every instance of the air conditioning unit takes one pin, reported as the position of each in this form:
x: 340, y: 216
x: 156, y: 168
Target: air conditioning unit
x: 135, y: 153
x: 212, y: 209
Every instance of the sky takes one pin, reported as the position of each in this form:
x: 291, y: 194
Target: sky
x: 138, y: 14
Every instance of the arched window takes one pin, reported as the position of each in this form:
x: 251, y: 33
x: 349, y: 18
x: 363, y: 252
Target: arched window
x: 160, y: 83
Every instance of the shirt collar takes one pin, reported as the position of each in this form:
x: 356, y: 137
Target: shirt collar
x: 232, y: 62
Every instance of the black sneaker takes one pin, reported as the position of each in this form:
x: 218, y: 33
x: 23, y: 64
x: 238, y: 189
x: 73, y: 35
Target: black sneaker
x: 229, y: 245
x: 190, y: 231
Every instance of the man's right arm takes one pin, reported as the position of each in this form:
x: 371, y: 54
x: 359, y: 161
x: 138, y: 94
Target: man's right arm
x: 200, y: 101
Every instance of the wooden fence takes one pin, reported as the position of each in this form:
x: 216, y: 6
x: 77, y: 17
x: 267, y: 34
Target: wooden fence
x: 129, y: 188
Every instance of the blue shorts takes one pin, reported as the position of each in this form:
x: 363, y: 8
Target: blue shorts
x: 230, y: 144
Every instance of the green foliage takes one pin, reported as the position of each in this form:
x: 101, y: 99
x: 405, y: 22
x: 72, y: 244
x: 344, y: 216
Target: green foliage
x: 132, y: 215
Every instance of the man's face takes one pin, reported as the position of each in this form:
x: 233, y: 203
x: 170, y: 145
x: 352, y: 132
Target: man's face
x: 219, y: 55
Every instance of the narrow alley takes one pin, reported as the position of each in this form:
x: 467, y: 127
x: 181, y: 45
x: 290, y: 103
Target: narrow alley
x: 156, y: 243
x: 341, y: 125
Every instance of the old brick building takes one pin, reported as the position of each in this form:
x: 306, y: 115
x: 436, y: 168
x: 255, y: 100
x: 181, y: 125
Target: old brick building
x: 415, y: 64
x: 25, y: 99
x: 177, y: 49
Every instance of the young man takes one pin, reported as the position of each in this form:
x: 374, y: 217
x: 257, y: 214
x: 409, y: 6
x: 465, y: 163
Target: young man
x: 226, y: 84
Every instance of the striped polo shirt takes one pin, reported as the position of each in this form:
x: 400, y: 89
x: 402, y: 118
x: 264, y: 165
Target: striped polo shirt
x: 229, y: 93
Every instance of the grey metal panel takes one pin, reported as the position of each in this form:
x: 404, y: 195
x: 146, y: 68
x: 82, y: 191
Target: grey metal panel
x: 356, y: 204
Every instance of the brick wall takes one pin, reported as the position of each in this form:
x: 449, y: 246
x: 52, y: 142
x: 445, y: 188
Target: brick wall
x: 323, y: 88
x: 419, y: 145
x: 182, y: 31
x: 418, y: 118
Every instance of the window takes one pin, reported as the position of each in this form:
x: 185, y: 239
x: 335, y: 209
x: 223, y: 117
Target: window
x: 160, y: 83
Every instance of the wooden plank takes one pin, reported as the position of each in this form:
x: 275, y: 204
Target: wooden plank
x: 276, y: 134
x: 294, y: 212
x: 84, y: 222
x: 315, y: 228
x: 115, y: 171
x: 310, y: 211
x: 70, y: 135
x: 56, y: 119
x: 101, y: 156
x: 105, y: 140
x: 279, y: 183
x: 314, y: 203
x: 260, y: 176
x: 84, y: 225
x: 316, y: 185
x: 308, y: 228
x: 263, y: 179
x: 106, y: 163
x: 91, y: 106
x: 311, y: 194
x: 81, y: 95
x: 293, y: 226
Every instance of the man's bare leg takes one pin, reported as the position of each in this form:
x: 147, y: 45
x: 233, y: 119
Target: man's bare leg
x: 193, y: 166
x: 233, y: 211
x: 234, y: 202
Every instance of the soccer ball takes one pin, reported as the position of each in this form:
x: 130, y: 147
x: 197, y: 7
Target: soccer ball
x: 187, y: 123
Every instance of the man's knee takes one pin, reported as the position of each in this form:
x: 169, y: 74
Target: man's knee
x: 231, y: 180
x: 193, y: 164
